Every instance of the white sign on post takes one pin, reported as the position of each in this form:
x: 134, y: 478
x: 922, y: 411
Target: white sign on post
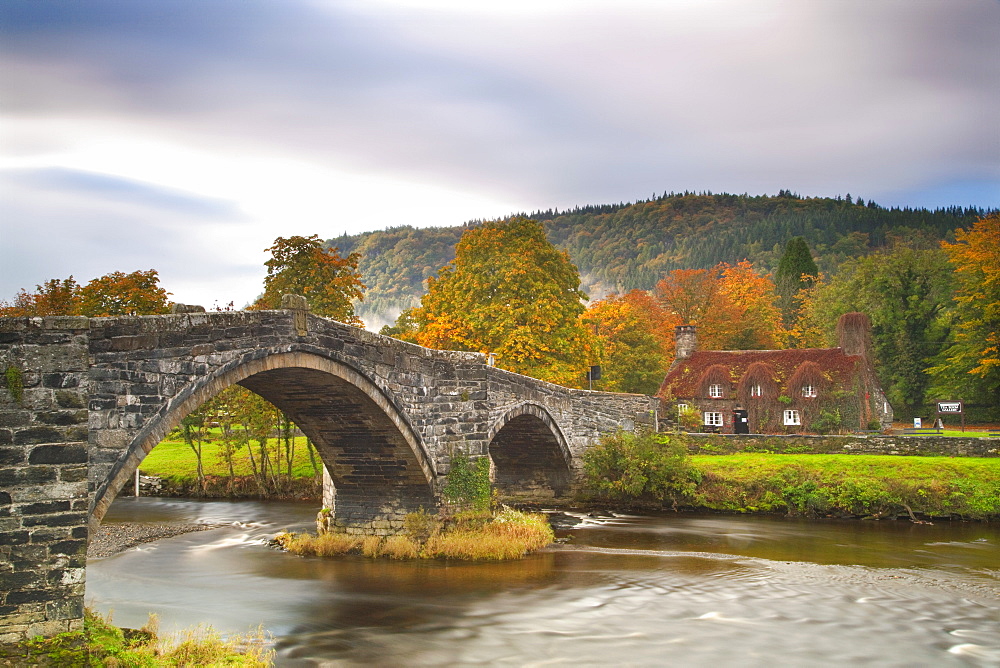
x: 949, y: 407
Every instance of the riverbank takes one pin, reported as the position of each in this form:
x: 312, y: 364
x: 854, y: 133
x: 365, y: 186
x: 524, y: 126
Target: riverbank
x: 111, y: 539
x: 102, y: 643
x: 655, y: 471
x: 913, y: 476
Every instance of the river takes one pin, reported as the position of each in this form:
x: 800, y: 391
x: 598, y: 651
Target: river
x: 693, y: 590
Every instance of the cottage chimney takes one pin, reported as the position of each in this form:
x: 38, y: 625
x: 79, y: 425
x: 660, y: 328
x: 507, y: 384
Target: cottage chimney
x: 854, y: 334
x: 686, y: 338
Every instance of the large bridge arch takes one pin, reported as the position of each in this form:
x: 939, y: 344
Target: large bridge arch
x: 378, y: 463
x: 530, y: 454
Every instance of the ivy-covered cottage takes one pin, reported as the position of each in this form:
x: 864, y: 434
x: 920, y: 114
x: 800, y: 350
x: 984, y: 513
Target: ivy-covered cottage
x: 780, y: 391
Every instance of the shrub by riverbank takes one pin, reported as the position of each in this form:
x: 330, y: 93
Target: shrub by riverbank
x: 101, y: 643
x: 654, y: 470
x: 473, y: 536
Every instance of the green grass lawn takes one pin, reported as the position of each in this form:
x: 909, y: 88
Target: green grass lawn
x: 835, y: 466
x: 857, y: 484
x: 174, y: 459
x: 952, y: 430
x: 957, y: 433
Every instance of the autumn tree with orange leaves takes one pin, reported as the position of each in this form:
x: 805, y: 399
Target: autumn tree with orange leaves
x: 304, y: 266
x: 752, y: 296
x: 634, y: 345
x: 733, y: 306
x: 117, y: 293
x: 54, y: 297
x: 509, y: 292
x: 970, y: 366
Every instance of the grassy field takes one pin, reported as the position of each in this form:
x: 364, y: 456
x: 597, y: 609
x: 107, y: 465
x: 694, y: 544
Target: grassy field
x: 952, y: 430
x: 876, y: 485
x: 174, y: 460
x: 859, y: 485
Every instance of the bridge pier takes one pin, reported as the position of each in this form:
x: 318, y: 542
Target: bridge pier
x: 364, y: 514
x: 43, y: 476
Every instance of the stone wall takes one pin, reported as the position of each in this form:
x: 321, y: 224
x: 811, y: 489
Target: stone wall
x: 874, y: 444
x: 43, y: 476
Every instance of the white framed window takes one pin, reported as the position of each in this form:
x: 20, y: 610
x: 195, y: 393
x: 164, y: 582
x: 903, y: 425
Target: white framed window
x: 792, y: 417
x: 713, y: 419
x: 681, y: 408
x: 715, y: 391
x: 756, y: 391
x: 809, y: 391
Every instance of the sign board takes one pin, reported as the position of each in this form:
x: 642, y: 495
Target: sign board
x: 917, y: 423
x: 949, y: 407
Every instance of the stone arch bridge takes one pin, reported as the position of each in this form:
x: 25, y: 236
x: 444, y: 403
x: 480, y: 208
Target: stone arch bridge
x: 85, y: 399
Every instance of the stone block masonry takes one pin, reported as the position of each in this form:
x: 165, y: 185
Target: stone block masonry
x: 43, y: 476
x: 861, y: 444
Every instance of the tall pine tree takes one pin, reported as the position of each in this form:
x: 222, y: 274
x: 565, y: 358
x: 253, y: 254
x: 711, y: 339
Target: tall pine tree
x: 796, y: 270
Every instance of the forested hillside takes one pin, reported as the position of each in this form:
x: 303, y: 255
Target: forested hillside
x: 618, y: 247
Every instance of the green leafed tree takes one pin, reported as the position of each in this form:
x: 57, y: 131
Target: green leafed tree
x: 510, y: 292
x: 906, y: 292
x: 304, y: 266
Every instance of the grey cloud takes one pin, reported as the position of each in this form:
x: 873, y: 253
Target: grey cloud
x: 59, y: 223
x: 562, y: 110
x: 123, y: 191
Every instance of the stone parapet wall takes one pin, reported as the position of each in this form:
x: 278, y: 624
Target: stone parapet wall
x: 596, y: 413
x: 43, y: 476
x: 584, y: 415
x: 930, y: 445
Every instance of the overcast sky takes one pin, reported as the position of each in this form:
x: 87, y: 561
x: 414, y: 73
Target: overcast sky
x: 185, y: 135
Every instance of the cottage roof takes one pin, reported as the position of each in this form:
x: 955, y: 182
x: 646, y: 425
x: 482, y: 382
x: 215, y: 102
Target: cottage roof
x: 682, y: 381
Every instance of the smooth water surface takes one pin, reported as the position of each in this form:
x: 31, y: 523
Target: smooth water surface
x: 693, y: 590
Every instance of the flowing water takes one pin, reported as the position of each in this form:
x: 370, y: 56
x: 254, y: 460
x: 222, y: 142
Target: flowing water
x: 693, y: 590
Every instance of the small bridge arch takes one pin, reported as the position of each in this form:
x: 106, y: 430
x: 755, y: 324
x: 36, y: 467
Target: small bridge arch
x: 530, y: 455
